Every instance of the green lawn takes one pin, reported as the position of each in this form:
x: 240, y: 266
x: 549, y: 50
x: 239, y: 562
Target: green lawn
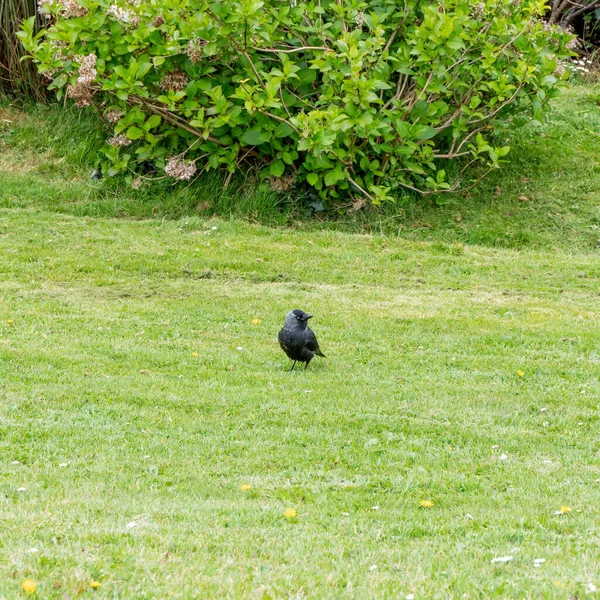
x: 142, y: 389
x: 467, y: 376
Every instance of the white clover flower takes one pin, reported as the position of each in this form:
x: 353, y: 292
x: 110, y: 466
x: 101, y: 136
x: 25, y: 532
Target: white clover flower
x: 502, y: 559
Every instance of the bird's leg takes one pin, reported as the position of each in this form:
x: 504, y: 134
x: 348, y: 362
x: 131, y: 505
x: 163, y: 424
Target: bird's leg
x: 293, y: 365
x: 306, y: 365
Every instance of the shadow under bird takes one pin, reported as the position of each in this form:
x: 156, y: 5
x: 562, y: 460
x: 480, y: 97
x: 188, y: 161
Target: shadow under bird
x: 297, y: 339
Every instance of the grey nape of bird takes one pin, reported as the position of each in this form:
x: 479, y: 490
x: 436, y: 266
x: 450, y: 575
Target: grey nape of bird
x: 297, y: 339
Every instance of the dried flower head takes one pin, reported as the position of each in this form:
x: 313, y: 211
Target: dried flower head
x: 360, y: 18
x: 179, y: 168
x: 159, y: 21
x: 136, y: 184
x: 123, y: 15
x: 43, y: 7
x: 560, y: 70
x: 176, y: 81
x: 59, y: 47
x: 87, y: 68
x: 113, y: 116
x: 66, y: 8
x: 71, y: 9
x: 119, y: 140
x: 479, y: 11
x: 194, y: 49
x: 281, y: 184
x: 81, y: 93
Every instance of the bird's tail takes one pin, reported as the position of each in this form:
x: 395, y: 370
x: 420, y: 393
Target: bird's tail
x: 319, y: 353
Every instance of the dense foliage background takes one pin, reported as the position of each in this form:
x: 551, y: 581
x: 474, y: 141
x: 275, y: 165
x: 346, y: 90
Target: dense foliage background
x: 352, y: 98
x: 17, y: 76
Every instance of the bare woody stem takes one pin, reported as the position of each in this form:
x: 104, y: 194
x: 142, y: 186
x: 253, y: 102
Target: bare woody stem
x: 362, y: 190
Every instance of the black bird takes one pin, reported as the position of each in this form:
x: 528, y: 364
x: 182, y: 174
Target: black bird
x: 297, y: 339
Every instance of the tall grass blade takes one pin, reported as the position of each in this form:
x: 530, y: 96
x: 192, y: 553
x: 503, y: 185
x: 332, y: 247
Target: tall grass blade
x: 17, y: 77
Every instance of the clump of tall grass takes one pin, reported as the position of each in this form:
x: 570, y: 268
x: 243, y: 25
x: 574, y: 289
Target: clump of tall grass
x: 17, y: 77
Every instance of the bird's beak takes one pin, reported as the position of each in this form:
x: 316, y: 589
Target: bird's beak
x: 307, y: 316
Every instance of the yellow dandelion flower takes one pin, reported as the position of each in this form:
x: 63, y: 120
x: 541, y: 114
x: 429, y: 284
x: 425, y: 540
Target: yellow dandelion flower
x: 256, y: 321
x: 290, y: 513
x: 520, y: 373
x: 195, y: 354
x: 565, y: 509
x: 95, y: 585
x: 427, y: 503
x: 245, y: 487
x: 10, y: 321
x: 29, y: 586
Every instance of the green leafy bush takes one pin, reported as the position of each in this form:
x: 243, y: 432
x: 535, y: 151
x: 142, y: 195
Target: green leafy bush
x: 354, y: 98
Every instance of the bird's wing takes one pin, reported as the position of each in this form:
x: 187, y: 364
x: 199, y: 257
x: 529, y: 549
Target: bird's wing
x: 281, y: 339
x: 283, y: 342
x: 311, y: 342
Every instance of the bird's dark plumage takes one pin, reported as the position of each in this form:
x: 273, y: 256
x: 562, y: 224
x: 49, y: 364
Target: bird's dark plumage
x: 297, y: 339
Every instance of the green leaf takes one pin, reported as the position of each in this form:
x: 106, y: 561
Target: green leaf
x: 276, y: 168
x: 283, y: 130
x: 365, y: 119
x: 134, y: 133
x: 152, y: 122
x: 425, y: 132
x: 312, y: 178
x: 254, y: 138
x: 289, y: 157
x: 332, y: 177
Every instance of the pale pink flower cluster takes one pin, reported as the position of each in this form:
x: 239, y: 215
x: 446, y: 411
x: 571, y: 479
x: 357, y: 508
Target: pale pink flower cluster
x: 113, y: 116
x: 68, y: 8
x: 479, y: 11
x: 81, y: 92
x: 87, y: 68
x: 124, y: 15
x: 179, y: 168
x: 176, y: 81
x: 194, y: 49
x: 119, y: 140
